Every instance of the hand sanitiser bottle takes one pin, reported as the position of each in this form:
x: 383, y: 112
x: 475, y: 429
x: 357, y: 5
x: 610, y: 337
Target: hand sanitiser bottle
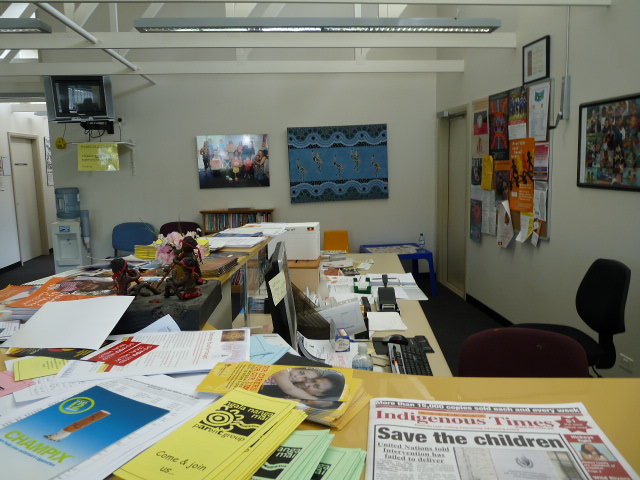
x: 421, y: 241
x: 362, y: 361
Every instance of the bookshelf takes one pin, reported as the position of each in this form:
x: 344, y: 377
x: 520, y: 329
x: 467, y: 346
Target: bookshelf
x: 215, y: 220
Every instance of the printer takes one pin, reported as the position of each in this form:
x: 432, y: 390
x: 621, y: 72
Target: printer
x: 302, y: 240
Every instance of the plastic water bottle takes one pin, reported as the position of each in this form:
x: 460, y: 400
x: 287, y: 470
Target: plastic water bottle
x: 421, y: 241
x: 362, y: 361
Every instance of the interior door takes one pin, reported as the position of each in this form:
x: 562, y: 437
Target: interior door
x: 457, y: 204
x: 23, y: 155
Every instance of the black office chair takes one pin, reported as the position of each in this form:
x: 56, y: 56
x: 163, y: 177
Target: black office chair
x: 600, y: 302
x: 522, y: 352
x: 180, y: 227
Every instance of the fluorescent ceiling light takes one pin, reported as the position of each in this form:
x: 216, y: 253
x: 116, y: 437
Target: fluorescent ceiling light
x: 311, y: 25
x: 23, y: 25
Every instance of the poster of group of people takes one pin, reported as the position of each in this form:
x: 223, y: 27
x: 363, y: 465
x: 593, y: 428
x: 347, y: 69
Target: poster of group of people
x: 610, y: 144
x: 233, y: 160
x: 510, y: 164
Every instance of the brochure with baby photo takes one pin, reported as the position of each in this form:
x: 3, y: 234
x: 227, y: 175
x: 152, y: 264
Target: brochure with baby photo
x: 69, y: 432
x: 330, y: 396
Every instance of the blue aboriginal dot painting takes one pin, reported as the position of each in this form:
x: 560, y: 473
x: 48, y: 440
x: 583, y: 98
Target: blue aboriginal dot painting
x: 338, y: 163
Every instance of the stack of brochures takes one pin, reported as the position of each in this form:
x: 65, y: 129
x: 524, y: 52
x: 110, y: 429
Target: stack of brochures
x: 297, y: 458
x: 232, y: 438
x: 146, y: 252
x: 307, y: 455
x: 216, y: 265
x: 341, y: 464
x: 329, y: 396
x: 27, y: 300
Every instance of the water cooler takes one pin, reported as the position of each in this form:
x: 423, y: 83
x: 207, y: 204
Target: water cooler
x: 71, y: 232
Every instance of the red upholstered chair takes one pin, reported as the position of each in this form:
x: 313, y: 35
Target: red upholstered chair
x: 522, y: 352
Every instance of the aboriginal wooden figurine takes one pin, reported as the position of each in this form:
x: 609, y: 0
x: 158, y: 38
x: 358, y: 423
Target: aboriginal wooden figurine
x: 126, y: 280
x: 190, y: 250
x: 182, y: 281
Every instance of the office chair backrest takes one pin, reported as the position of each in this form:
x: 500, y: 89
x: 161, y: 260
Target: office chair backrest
x: 602, y: 296
x: 125, y: 236
x: 522, y: 352
x: 179, y: 226
x: 336, y: 240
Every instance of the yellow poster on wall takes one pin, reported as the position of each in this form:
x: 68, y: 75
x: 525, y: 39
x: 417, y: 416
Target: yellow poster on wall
x: 96, y: 156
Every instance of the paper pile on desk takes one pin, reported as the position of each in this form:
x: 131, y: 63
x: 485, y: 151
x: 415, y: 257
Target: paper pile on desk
x: 330, y: 396
x: 69, y: 432
x: 215, y: 265
x: 232, y: 438
x: 160, y: 392
x: 74, y: 324
x: 174, y: 352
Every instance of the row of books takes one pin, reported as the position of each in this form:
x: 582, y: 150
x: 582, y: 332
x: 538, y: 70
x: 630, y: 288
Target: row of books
x: 222, y: 221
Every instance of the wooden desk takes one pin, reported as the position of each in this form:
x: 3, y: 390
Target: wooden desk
x: 410, y: 310
x: 612, y: 402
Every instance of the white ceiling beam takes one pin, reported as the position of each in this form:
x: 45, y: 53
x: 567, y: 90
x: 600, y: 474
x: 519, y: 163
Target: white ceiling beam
x: 57, y: 41
x: 198, y: 67
x: 545, y: 3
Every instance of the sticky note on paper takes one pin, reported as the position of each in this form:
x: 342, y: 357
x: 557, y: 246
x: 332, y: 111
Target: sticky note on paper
x: 278, y: 286
x: 37, y: 367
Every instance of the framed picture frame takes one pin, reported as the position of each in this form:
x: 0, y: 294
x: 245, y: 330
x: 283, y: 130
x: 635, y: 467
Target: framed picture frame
x: 535, y: 60
x: 609, y: 143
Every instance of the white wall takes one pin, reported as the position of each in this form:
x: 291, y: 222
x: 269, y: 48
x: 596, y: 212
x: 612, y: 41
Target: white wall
x: 26, y: 123
x: 164, y: 119
x: 527, y: 284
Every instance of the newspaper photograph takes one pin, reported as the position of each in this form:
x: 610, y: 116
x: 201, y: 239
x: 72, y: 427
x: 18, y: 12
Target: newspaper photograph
x: 418, y: 439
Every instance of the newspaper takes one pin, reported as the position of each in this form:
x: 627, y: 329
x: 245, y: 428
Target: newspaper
x: 418, y: 439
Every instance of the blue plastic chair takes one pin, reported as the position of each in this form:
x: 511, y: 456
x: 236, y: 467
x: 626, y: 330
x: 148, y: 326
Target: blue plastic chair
x: 125, y: 236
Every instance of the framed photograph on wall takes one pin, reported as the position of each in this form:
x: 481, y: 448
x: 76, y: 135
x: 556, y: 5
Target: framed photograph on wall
x: 609, y: 143
x: 535, y: 60
x: 239, y: 160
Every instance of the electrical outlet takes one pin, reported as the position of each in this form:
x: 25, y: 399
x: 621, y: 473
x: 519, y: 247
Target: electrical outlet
x: 626, y: 363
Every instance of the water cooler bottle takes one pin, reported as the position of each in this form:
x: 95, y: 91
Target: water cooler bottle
x: 70, y: 233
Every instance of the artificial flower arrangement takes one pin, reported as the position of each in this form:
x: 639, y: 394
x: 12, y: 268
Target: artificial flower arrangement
x: 169, y: 247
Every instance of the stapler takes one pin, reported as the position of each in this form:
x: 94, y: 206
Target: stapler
x: 387, y: 297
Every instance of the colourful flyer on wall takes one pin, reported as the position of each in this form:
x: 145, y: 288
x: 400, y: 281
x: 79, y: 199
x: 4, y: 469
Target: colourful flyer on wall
x: 522, y: 153
x: 57, y: 438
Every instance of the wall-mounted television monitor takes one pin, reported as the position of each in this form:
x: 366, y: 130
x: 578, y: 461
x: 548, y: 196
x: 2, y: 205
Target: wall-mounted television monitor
x: 78, y: 98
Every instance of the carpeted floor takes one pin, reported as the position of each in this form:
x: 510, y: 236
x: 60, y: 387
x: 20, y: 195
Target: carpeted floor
x: 35, y: 268
x: 451, y: 318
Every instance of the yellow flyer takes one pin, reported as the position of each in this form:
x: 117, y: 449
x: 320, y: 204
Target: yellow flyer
x: 326, y: 394
x: 487, y: 172
x: 236, y: 432
x: 96, y: 156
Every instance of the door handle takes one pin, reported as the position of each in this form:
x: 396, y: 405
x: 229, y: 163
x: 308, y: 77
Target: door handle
x: 20, y: 164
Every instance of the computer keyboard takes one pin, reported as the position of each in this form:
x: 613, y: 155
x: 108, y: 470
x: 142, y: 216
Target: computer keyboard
x: 408, y: 359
